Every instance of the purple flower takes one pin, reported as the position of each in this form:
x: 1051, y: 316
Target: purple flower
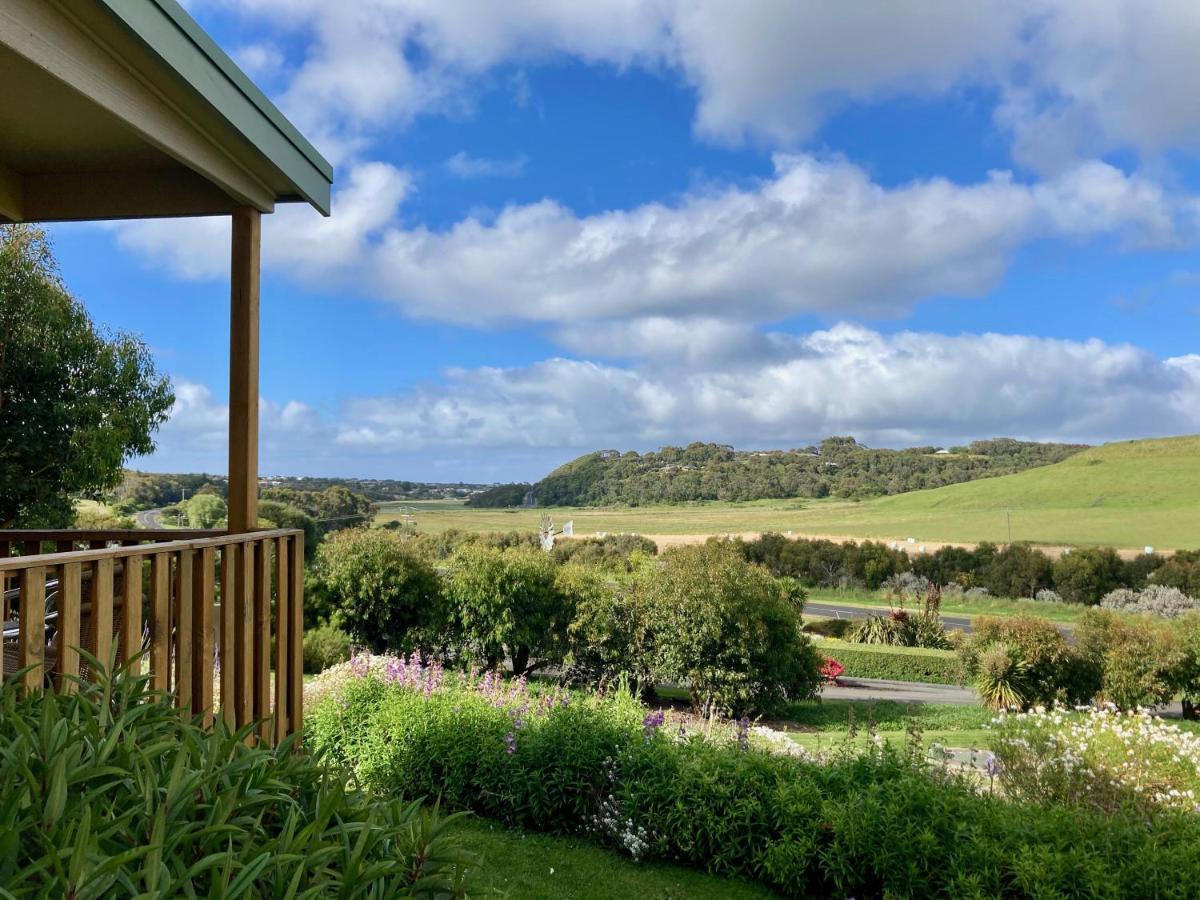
x: 510, y: 743
x: 991, y: 765
x: 651, y: 722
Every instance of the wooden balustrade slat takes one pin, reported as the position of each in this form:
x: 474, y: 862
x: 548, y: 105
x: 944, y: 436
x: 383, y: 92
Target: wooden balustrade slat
x: 243, y: 697
x: 262, y: 639
x: 32, y: 637
x: 130, y: 643
x: 182, y: 630
x: 283, y: 635
x: 102, y: 610
x: 296, y: 626
x: 202, y: 635
x: 67, y: 638
x: 228, y: 626
x: 160, y: 621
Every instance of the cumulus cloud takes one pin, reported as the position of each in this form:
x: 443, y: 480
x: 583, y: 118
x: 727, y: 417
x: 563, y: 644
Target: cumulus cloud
x: 1071, y: 78
x: 905, y: 388
x: 818, y: 237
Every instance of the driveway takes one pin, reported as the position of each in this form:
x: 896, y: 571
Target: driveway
x: 837, y: 611
x: 900, y: 691
x: 149, y: 518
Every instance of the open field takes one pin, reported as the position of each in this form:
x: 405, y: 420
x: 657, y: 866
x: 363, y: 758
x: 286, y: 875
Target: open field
x: 1130, y: 494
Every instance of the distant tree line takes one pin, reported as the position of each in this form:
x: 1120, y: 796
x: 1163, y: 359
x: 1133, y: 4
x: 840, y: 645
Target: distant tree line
x: 1085, y: 575
x: 838, y: 467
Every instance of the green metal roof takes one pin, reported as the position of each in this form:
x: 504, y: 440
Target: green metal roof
x: 167, y: 30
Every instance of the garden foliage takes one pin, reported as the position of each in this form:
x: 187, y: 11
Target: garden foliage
x: 879, y: 824
x: 109, y: 792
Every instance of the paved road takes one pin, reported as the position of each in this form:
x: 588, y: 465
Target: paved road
x: 149, y: 518
x: 837, y: 611
x: 900, y: 691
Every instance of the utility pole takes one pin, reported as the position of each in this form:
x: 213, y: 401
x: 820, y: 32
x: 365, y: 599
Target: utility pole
x: 1008, y: 516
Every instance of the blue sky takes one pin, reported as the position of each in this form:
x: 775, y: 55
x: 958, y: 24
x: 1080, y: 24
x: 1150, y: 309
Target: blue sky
x: 622, y: 224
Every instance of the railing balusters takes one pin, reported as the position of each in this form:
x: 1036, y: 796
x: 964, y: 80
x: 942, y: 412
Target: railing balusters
x: 32, y: 639
x: 67, y: 640
x: 160, y: 621
x: 262, y: 638
x: 182, y: 614
x: 101, y: 597
x: 228, y: 642
x: 202, y: 635
x: 131, y: 610
x: 283, y: 636
x: 102, y: 610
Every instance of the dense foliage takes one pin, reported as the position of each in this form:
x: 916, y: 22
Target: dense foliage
x: 109, y: 793
x: 384, y: 594
x: 728, y: 631
x: 75, y: 402
x: 838, y: 467
x: 1021, y: 661
x: 507, y: 604
x: 1085, y: 575
x: 878, y: 824
x: 501, y: 496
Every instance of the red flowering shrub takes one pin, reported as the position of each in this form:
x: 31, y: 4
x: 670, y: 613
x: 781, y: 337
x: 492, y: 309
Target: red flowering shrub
x: 831, y: 670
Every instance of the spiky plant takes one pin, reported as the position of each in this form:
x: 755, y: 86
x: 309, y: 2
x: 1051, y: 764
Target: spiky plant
x: 1000, y: 679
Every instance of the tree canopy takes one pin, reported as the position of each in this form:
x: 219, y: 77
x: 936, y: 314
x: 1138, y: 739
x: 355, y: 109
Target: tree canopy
x: 75, y: 401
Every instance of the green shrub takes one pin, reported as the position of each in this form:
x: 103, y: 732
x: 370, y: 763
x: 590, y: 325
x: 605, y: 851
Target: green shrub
x: 325, y: 646
x: 507, y: 602
x: 903, y: 629
x: 1088, y: 573
x: 880, y: 824
x: 384, y: 594
x: 726, y: 629
x: 894, y: 663
x: 1141, y: 661
x: 610, y: 634
x: 109, y: 792
x: 1018, y: 570
x: 1046, y: 669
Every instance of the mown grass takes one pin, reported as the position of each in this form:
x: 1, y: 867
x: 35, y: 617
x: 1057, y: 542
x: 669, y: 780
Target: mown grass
x: 1063, y: 613
x: 837, y: 715
x: 1128, y: 494
x: 527, y: 866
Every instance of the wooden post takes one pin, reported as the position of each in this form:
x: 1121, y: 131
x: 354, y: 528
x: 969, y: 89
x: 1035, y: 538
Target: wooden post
x: 243, y: 370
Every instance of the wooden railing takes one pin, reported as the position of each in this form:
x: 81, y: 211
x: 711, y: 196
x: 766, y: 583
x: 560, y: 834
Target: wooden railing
x: 219, y: 614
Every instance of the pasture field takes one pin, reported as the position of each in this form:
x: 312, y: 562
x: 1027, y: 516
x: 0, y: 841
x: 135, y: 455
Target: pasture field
x: 1129, y: 494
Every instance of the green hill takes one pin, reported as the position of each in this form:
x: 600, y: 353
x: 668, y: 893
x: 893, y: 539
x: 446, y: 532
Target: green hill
x: 1129, y: 494
x: 837, y: 467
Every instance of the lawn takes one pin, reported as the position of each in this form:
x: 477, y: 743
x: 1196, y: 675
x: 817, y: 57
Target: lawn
x: 527, y: 866
x: 1063, y: 613
x: 1129, y: 494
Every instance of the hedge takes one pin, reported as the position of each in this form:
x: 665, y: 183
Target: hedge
x: 894, y: 663
x: 881, y: 824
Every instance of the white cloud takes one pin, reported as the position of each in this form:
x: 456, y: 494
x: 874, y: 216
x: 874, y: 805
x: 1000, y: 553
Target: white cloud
x: 900, y: 389
x: 1073, y: 79
x: 463, y: 165
x: 818, y: 237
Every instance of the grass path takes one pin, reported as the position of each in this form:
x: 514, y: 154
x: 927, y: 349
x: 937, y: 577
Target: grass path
x: 1063, y: 613
x: 529, y: 866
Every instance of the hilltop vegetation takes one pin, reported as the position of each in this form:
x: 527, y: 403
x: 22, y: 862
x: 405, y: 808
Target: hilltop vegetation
x: 838, y: 467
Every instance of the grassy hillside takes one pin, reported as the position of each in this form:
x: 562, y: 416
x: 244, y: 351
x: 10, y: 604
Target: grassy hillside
x: 1128, y: 494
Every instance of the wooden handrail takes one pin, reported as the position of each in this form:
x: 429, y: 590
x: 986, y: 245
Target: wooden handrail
x: 104, y: 597
x: 107, y: 534
x: 13, y: 563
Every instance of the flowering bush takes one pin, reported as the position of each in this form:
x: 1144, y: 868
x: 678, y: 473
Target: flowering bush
x: 608, y: 767
x: 1098, y: 757
x: 831, y: 670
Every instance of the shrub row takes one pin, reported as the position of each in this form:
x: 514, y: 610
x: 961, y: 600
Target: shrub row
x: 875, y: 825
x: 894, y: 663
x: 700, y: 617
x: 1083, y: 576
